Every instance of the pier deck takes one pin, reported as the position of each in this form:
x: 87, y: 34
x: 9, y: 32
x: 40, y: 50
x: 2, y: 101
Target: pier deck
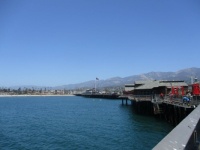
x: 185, y: 115
x: 183, y: 136
x: 174, y: 110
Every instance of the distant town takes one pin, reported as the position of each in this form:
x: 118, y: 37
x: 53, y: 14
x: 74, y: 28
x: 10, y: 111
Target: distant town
x: 47, y: 91
x: 28, y: 91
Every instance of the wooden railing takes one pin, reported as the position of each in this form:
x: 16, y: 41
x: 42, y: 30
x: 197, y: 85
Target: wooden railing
x: 195, y: 100
x: 140, y: 97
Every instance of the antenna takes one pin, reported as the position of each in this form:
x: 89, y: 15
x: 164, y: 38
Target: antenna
x: 95, y: 84
x: 195, y: 80
x: 192, y: 80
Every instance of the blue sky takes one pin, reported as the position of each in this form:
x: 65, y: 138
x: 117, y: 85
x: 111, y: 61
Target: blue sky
x: 58, y: 42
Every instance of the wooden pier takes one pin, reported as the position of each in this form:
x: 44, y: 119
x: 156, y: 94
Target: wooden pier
x: 185, y: 135
x: 176, y: 102
x: 124, y: 98
x: 173, y: 110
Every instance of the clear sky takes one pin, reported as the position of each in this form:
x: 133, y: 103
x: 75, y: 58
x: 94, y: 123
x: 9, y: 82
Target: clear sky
x: 58, y: 42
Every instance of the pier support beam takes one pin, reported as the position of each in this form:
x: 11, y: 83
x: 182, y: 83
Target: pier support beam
x: 126, y: 99
x: 122, y: 101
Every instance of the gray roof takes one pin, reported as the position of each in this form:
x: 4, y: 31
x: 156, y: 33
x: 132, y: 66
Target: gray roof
x: 143, y: 82
x: 129, y: 85
x: 169, y: 84
x: 154, y: 84
x: 129, y: 88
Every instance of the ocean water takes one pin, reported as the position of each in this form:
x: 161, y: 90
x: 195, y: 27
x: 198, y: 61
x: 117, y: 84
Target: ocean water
x: 71, y: 123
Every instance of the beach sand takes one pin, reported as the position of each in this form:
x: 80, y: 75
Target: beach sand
x: 32, y: 95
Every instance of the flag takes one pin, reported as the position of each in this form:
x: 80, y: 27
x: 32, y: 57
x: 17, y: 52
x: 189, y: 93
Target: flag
x: 97, y: 78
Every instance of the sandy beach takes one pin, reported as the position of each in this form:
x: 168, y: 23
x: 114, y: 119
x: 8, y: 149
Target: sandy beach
x: 32, y: 95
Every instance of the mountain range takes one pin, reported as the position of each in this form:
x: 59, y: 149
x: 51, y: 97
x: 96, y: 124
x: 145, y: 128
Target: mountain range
x: 184, y: 74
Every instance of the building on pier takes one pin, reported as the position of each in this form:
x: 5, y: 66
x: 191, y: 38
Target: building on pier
x: 156, y: 87
x: 145, y: 98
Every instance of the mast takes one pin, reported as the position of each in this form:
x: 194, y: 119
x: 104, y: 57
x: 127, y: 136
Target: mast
x: 95, y: 84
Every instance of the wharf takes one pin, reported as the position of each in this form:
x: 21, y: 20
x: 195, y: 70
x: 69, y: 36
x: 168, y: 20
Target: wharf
x: 124, y: 97
x: 177, y: 106
x: 185, y: 135
x: 171, y: 109
x: 186, y: 118
x: 104, y: 96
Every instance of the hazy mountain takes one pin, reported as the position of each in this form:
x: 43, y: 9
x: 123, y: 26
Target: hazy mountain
x: 184, y: 74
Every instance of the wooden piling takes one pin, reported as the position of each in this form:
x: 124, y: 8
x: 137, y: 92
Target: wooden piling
x: 172, y: 111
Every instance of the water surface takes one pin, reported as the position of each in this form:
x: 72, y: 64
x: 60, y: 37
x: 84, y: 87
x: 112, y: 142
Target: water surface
x: 75, y: 123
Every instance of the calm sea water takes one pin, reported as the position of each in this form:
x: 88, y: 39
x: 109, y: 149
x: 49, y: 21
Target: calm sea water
x: 62, y: 123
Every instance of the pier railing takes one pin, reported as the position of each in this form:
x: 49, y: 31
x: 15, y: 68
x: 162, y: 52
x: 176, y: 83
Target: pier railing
x: 156, y: 99
x: 185, y: 135
x: 195, y: 100
x: 140, y: 97
x: 153, y: 98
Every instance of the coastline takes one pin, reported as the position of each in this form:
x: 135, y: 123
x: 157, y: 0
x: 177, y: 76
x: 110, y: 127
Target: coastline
x: 34, y: 95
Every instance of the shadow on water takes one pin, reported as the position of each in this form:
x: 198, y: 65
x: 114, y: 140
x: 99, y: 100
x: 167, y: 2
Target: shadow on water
x: 148, y: 130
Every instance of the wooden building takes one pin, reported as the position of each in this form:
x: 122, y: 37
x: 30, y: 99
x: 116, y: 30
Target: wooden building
x: 156, y: 87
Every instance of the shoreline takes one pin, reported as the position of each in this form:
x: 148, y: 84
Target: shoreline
x: 34, y: 95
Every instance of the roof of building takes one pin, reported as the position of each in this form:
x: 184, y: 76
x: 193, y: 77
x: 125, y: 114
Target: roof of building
x: 155, y: 83
x: 129, y: 85
x: 129, y: 88
x: 144, y: 82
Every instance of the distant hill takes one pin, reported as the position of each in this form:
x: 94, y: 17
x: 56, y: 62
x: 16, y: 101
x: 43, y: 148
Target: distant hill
x: 184, y: 74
